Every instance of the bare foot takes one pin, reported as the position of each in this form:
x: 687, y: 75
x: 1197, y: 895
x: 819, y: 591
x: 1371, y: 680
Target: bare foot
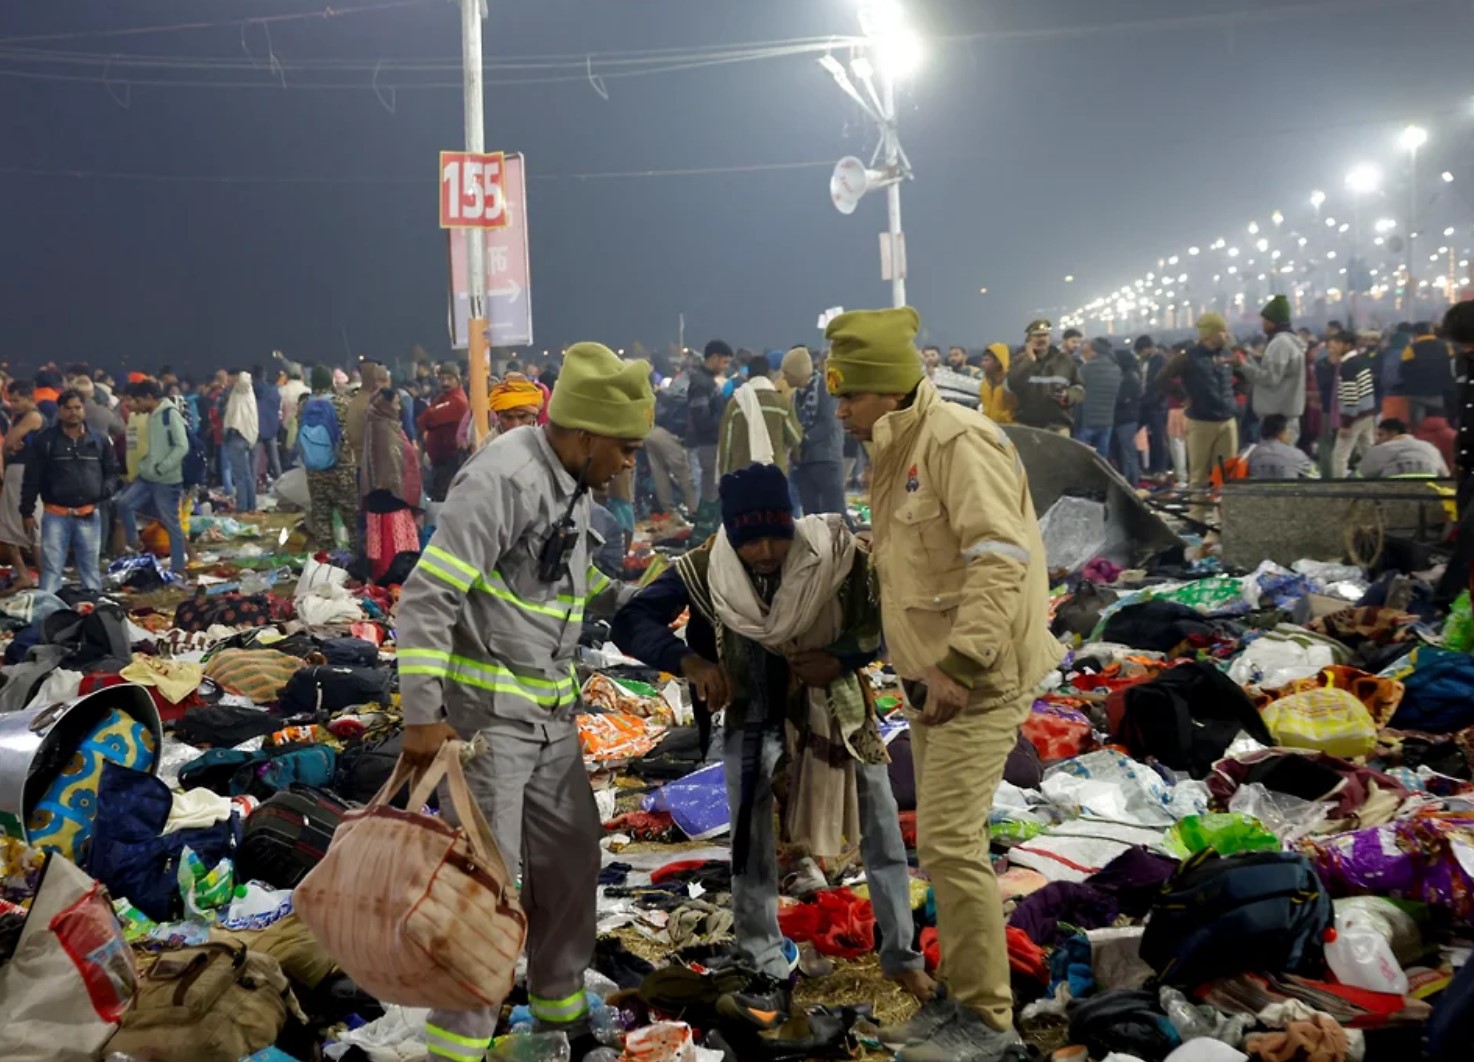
x: 918, y: 983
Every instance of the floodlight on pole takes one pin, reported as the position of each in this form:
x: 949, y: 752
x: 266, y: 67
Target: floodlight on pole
x: 892, y: 50
x: 1413, y: 137
x: 1317, y: 199
x: 1363, y: 178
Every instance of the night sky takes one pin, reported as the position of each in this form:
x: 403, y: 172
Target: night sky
x: 1081, y: 137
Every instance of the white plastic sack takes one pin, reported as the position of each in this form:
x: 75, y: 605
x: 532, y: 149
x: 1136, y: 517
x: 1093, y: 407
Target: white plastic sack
x: 1073, y: 851
x: 60, y: 685
x: 399, y: 1036
x: 316, y: 576
x: 326, y: 605
x: 1272, y: 662
x: 1206, y: 1049
x: 292, y: 487
x: 1108, y: 785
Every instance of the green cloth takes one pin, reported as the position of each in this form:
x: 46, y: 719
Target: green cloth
x: 873, y: 352
x: 597, y: 392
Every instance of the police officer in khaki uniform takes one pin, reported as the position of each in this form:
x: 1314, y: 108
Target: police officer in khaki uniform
x: 964, y: 597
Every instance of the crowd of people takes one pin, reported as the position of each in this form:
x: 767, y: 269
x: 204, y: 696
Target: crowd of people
x: 1294, y: 403
x: 377, y: 454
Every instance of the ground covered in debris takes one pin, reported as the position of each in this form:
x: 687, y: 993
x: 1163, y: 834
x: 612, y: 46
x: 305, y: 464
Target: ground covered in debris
x: 1239, y: 813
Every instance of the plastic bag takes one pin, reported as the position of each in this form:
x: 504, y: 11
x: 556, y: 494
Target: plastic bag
x: 1394, y: 923
x: 1273, y: 661
x: 1109, y: 785
x: 1458, y: 629
x: 1225, y: 833
x: 1286, y: 816
x: 1074, y: 532
x: 317, y: 575
x: 697, y: 803
x: 1361, y: 956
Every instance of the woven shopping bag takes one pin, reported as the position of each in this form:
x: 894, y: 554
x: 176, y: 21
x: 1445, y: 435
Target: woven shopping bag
x: 417, y: 911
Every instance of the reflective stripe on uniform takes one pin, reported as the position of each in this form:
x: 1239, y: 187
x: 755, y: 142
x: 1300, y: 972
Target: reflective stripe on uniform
x: 449, y: 568
x: 1002, y: 549
x: 496, y: 586
x: 436, y: 565
x: 598, y: 582
x: 442, y: 1043
x: 559, y: 1011
x: 484, y: 675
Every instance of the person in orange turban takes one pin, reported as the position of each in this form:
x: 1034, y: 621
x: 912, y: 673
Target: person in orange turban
x: 516, y: 401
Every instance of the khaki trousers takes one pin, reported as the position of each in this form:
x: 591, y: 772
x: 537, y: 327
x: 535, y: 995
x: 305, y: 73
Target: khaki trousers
x: 958, y: 767
x: 669, y: 462
x: 1208, y: 442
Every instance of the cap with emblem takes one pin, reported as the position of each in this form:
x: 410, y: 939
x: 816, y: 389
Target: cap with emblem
x: 599, y: 393
x: 873, y: 352
x: 1039, y: 327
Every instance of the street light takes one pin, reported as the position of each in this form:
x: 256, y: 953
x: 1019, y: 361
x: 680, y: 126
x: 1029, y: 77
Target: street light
x: 1363, y: 179
x: 892, y: 50
x: 1317, y: 199
x: 1413, y: 137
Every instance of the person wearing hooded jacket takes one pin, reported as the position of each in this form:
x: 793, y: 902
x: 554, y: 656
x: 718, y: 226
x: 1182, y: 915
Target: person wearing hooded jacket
x: 964, y: 592
x: 995, y: 400
x: 1278, y: 375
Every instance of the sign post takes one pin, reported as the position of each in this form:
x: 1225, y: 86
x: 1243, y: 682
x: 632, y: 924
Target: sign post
x: 508, y: 295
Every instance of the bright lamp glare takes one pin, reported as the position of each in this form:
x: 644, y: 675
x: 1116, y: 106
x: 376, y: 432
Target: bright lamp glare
x: 1317, y: 198
x: 1447, y: 177
x: 897, y: 47
x: 1413, y: 137
x: 1385, y: 225
x: 899, y: 53
x: 1363, y: 178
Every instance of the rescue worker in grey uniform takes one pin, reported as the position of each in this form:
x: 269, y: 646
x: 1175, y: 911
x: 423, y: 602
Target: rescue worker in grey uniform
x: 488, y: 624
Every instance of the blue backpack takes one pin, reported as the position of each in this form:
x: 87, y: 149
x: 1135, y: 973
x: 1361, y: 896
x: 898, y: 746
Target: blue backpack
x: 195, y: 468
x: 318, y: 434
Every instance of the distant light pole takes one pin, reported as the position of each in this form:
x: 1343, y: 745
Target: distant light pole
x: 896, y: 50
x: 1413, y: 137
x: 1363, y: 179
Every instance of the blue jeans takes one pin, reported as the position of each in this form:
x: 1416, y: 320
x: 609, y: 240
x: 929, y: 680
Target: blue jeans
x: 63, y: 535
x: 1098, y: 439
x: 163, y: 499
x: 238, y: 455
x: 1127, y: 458
x: 755, y: 890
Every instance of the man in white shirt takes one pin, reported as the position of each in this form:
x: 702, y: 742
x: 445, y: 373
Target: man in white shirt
x: 1398, y: 454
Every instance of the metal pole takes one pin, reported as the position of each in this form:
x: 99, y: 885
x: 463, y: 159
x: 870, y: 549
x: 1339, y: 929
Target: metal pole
x: 471, y: 11
x: 1412, y: 227
x: 893, y: 191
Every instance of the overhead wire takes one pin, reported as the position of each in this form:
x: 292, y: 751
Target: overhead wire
x: 377, y: 179
x: 327, y: 12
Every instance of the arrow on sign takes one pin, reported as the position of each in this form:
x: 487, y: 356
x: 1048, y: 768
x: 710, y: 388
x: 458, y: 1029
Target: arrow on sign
x: 511, y: 292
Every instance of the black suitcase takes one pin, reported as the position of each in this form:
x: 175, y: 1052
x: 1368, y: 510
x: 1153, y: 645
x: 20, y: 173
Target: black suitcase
x: 287, y: 836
